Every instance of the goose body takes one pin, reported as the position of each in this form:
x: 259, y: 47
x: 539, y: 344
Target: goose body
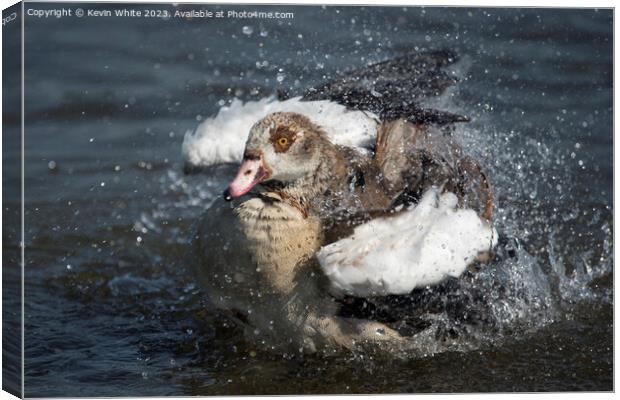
x: 256, y: 262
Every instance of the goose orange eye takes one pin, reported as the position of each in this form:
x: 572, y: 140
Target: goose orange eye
x: 283, y: 141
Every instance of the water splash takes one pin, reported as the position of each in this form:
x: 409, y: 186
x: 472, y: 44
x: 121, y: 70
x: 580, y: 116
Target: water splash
x: 539, y: 271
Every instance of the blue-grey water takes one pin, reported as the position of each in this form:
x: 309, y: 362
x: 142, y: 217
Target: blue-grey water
x: 111, y: 307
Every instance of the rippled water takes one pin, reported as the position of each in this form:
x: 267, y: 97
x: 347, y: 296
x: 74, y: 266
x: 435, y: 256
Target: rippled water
x: 111, y: 307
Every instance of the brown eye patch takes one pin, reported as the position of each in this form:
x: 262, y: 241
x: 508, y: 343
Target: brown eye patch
x: 282, y: 138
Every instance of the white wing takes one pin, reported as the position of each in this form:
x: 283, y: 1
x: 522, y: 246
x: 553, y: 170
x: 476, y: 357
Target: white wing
x: 421, y: 246
x: 221, y: 138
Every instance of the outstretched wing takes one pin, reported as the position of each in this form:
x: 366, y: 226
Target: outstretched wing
x: 395, y: 88
x: 418, y: 247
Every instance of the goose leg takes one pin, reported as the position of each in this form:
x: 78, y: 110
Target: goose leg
x: 351, y: 333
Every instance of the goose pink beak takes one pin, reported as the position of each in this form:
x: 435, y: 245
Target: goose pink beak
x: 251, y: 173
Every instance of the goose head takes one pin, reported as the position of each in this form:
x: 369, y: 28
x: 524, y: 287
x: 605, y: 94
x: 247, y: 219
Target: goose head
x: 284, y: 147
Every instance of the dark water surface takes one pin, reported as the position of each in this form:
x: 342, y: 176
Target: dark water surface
x: 111, y: 308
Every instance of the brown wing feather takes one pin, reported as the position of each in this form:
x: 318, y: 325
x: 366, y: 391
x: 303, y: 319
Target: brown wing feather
x: 414, y: 157
x: 476, y: 188
x: 393, y: 155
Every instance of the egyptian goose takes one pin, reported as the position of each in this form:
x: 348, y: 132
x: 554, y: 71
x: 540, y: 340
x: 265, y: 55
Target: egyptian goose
x: 308, y: 215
